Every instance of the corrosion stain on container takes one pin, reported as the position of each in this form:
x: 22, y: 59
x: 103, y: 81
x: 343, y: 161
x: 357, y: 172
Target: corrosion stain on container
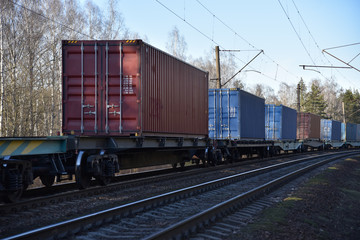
x: 124, y: 88
x: 330, y: 130
x: 280, y: 122
x: 308, y: 126
x: 236, y: 114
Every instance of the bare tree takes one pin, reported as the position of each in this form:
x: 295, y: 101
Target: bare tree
x: 287, y: 95
x: 228, y: 69
x: 176, y: 44
x: 114, y: 26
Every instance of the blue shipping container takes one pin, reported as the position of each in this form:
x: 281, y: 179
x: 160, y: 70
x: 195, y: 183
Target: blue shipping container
x: 358, y: 132
x: 236, y: 114
x: 330, y: 130
x: 280, y: 122
x: 350, y: 132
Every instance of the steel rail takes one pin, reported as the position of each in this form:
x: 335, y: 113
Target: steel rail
x: 76, y: 225
x: 191, y: 225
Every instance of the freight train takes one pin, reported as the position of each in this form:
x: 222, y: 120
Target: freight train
x: 126, y: 104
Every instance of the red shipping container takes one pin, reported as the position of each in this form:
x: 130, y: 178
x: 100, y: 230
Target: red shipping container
x: 127, y: 87
x: 308, y: 126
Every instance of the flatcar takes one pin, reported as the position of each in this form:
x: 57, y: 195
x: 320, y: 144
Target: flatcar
x: 127, y: 104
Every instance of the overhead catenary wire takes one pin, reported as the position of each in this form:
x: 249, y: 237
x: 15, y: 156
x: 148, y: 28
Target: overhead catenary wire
x: 317, y: 45
x: 208, y: 37
x: 297, y: 34
x: 301, y: 41
x: 245, y: 40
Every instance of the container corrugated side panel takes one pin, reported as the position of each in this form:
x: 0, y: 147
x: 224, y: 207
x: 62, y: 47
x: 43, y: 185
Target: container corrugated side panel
x: 325, y: 129
x: 289, y: 118
x: 174, y: 95
x: 330, y: 130
x: 358, y: 132
x: 336, y: 131
x: 350, y: 132
x: 224, y: 114
x: 236, y: 115
x: 280, y: 122
x: 308, y: 126
x: 252, y: 116
x: 272, y: 122
x: 212, y: 114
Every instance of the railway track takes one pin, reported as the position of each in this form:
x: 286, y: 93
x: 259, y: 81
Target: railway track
x: 180, y: 213
x: 38, y: 197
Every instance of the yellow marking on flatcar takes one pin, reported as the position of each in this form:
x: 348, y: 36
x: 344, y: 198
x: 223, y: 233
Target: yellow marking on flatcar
x: 31, y: 146
x: 12, y: 147
x: 72, y: 41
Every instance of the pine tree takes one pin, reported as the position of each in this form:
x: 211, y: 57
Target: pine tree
x: 315, y: 102
x: 352, y: 106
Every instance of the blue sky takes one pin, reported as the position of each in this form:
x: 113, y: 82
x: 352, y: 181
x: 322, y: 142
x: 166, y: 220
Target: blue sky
x: 265, y: 26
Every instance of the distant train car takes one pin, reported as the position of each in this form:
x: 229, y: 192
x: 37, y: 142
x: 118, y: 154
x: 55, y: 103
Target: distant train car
x: 308, y: 131
x: 348, y: 132
x: 330, y: 130
x: 308, y: 126
x: 280, y: 127
x: 129, y: 88
x: 236, y: 114
x: 358, y: 132
x: 280, y: 123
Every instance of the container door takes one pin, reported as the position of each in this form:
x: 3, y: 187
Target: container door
x: 212, y: 114
x: 227, y: 110
x: 113, y: 85
x: 120, y: 102
x: 89, y: 89
x: 101, y: 88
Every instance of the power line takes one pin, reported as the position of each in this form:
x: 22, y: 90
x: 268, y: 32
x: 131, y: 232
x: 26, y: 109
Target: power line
x: 236, y: 34
x: 227, y: 26
x: 209, y: 38
x: 192, y: 26
x: 302, y: 19
x: 317, y: 45
x: 297, y: 34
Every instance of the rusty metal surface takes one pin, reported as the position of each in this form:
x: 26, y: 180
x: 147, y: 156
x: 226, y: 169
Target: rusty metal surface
x: 126, y: 88
x: 308, y: 126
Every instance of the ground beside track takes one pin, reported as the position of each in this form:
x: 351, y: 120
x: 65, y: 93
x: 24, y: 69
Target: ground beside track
x: 324, y: 207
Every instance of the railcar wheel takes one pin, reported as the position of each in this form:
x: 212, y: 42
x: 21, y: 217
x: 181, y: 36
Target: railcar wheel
x: 47, y: 180
x: 83, y: 178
